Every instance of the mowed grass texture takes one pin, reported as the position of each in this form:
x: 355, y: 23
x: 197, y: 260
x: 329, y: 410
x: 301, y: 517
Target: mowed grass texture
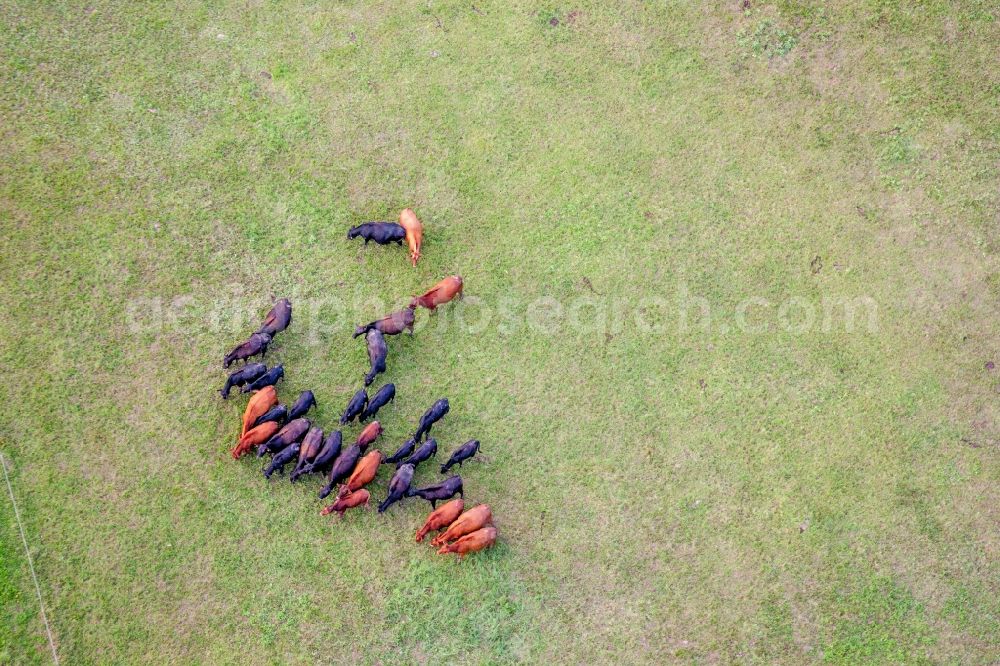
x: 668, y: 489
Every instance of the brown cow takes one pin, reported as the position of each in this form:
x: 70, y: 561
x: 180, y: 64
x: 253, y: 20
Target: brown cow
x: 254, y: 437
x: 348, y: 501
x: 439, y: 294
x: 441, y: 517
x: 363, y: 474
x: 369, y: 434
x: 471, y: 543
x: 262, y: 400
x: 414, y: 232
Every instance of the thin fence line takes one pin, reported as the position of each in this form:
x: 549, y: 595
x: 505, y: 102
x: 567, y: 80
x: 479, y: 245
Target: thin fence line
x: 31, y: 564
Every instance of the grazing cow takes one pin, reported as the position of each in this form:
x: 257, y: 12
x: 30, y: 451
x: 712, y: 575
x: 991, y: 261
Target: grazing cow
x: 310, y: 447
x: 269, y: 378
x: 414, y: 232
x: 348, y: 501
x: 278, y: 318
x: 255, y: 345
x: 377, y: 351
x: 278, y: 414
x: 282, y: 458
x: 382, y: 233
x: 471, y: 543
x: 439, y: 294
x: 369, y: 434
x: 402, y: 452
x: 254, y: 437
x: 440, y: 491
x: 433, y: 414
x: 355, y: 407
x: 461, y: 454
x: 341, y: 469
x: 398, y: 485
x: 259, y: 403
x: 364, y: 473
x: 244, y: 375
x: 426, y: 450
x: 441, y: 517
x: 391, y: 324
x: 302, y: 404
x: 382, y: 397
x: 291, y: 433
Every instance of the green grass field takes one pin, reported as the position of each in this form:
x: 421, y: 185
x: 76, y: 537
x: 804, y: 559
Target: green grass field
x: 768, y: 483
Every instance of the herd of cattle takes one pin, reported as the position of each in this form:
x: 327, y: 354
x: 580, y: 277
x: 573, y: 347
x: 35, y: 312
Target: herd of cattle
x: 290, y: 439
